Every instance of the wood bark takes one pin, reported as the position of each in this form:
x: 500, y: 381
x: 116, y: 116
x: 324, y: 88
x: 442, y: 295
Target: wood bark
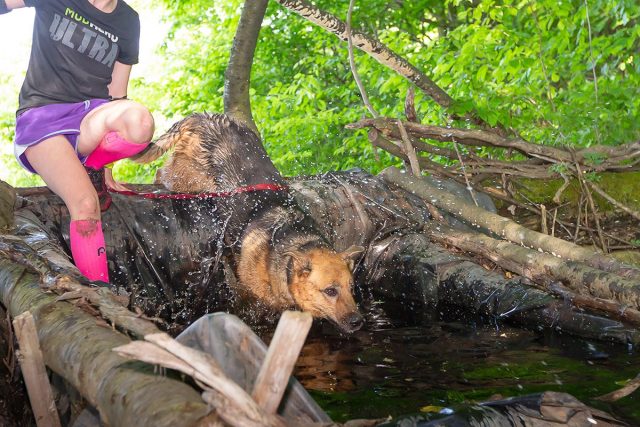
x: 546, y: 269
x: 484, y: 138
x: 237, y: 102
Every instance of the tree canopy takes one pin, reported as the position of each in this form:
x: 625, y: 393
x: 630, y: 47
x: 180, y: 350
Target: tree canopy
x: 556, y: 72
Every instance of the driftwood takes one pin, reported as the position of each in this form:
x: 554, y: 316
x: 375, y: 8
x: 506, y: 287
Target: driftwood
x: 232, y: 403
x: 508, y: 229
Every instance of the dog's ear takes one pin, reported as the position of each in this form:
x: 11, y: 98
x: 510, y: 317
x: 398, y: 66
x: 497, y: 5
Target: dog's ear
x: 350, y: 255
x: 298, y: 266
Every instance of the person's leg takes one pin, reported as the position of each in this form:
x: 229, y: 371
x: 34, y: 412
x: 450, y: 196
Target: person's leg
x: 114, y: 131
x: 56, y: 162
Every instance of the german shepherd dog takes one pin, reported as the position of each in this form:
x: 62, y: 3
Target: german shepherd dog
x: 280, y: 260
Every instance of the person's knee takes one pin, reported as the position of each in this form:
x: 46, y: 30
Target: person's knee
x: 85, y: 206
x: 138, y: 123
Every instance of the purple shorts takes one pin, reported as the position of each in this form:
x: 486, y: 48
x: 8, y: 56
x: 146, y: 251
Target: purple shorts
x: 40, y: 123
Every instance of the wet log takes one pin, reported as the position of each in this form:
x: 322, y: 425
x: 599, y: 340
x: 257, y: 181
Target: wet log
x: 77, y: 346
x: 536, y: 410
x: 172, y: 256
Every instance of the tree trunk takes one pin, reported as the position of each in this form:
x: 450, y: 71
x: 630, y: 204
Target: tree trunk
x: 238, y: 74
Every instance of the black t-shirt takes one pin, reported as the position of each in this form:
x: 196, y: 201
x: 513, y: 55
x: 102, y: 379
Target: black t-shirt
x: 75, y: 46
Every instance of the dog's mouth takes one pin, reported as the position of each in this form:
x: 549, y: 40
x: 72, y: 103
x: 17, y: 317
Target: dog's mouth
x: 350, y: 323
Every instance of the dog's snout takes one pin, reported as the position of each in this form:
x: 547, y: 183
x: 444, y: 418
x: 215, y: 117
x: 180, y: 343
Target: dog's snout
x: 355, y: 321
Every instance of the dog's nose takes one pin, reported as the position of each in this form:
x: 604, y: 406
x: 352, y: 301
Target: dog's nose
x: 355, y: 321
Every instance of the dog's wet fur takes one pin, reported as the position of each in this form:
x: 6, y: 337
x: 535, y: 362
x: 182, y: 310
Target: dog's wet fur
x: 280, y: 259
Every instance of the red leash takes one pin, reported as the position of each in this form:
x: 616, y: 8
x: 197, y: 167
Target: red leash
x: 187, y: 196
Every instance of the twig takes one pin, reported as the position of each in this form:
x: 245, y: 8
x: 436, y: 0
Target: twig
x: 592, y: 205
x: 284, y: 349
x: 543, y: 220
x: 556, y: 197
x: 578, y: 217
x: 409, y: 150
x: 613, y: 201
x: 410, y: 106
x: 625, y: 391
x: 593, y: 71
x: 352, y: 63
x: 464, y: 173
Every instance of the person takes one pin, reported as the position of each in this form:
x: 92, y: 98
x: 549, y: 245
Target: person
x: 74, y: 117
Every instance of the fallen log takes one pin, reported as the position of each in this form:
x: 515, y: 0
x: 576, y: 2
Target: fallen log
x: 546, y: 269
x: 508, y: 229
x: 77, y: 347
x: 169, y: 254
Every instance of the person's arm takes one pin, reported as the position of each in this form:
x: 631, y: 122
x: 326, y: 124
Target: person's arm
x: 119, y: 80
x: 8, y: 5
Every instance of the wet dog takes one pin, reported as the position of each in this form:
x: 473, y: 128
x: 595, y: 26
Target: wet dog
x: 280, y: 259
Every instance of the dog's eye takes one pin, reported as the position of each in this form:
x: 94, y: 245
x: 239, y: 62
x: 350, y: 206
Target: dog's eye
x: 332, y: 292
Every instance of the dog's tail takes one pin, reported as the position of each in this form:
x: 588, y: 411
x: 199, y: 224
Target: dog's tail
x: 163, y: 144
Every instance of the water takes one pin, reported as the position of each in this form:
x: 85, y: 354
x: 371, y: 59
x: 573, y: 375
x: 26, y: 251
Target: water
x: 398, y: 369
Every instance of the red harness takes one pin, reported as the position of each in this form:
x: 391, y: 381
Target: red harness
x: 186, y: 196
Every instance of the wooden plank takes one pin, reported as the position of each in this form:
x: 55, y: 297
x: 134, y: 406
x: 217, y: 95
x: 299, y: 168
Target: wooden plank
x: 35, y: 372
x: 282, y: 354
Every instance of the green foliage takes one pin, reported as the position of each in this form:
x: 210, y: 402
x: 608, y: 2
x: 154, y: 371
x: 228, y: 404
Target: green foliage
x: 557, y: 72
x: 527, y: 65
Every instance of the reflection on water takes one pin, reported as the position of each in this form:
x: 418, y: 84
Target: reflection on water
x: 394, y: 369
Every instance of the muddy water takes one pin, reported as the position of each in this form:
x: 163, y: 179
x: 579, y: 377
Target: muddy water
x: 396, y: 368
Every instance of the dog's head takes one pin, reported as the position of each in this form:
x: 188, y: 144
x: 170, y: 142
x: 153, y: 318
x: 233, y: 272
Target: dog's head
x: 321, y: 283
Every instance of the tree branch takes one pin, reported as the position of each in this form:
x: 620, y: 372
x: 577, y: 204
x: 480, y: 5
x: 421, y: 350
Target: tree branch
x: 238, y: 74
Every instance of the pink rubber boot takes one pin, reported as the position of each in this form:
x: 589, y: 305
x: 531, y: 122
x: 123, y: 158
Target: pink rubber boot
x: 88, y: 249
x: 112, y: 147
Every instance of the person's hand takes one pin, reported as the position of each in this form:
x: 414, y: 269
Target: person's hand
x: 111, y: 183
